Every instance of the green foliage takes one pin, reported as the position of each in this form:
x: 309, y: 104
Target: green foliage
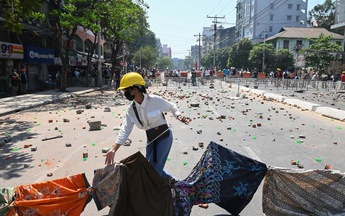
x: 189, y: 62
x: 322, y: 15
x: 256, y: 55
x: 321, y: 52
x: 164, y: 62
x: 221, y: 56
x: 14, y: 12
x: 239, y: 54
x: 146, y: 56
x: 283, y: 59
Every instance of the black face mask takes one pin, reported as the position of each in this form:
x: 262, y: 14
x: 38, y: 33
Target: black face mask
x: 128, y: 95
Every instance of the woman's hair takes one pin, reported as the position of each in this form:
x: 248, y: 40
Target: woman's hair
x: 140, y: 88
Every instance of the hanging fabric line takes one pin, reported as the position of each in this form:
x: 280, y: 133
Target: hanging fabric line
x: 221, y: 176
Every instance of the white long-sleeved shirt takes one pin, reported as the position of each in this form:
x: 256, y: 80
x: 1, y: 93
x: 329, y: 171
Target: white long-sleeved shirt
x: 150, y: 114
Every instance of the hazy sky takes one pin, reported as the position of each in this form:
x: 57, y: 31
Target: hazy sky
x: 175, y: 22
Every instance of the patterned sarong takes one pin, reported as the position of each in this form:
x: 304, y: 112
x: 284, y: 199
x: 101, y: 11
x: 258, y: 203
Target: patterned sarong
x: 7, y: 196
x: 65, y: 196
x: 303, y: 192
x: 106, y: 183
x: 223, y: 177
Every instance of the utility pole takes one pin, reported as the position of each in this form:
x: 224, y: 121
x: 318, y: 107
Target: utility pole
x: 264, y: 52
x: 199, y: 57
x: 214, y: 40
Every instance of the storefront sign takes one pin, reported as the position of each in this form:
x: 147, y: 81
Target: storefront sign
x: 38, y: 55
x: 11, y: 51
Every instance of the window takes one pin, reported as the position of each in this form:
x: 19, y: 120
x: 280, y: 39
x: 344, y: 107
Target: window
x: 271, y: 17
x: 297, y: 18
x: 289, y: 6
x: 288, y: 17
x: 286, y: 44
x: 270, y: 29
x: 298, y: 7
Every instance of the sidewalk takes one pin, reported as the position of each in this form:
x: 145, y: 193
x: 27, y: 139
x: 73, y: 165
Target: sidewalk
x: 18, y: 103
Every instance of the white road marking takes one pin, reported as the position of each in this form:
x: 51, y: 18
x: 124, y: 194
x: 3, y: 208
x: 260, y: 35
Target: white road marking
x: 252, y: 153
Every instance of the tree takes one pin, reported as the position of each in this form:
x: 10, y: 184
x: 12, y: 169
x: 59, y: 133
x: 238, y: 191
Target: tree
x: 222, y: 57
x: 239, y: 54
x: 322, y: 15
x: 283, y: 59
x: 146, y: 56
x: 164, y: 62
x: 321, y: 52
x: 188, y: 62
x: 256, y: 55
x: 64, y: 19
x: 122, y: 22
x: 14, y: 12
x: 207, y: 60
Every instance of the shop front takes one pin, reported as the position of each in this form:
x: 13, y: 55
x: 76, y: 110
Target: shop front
x: 37, y: 60
x: 11, y: 58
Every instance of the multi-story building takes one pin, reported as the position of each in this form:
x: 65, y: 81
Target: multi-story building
x: 339, y: 22
x: 166, y: 50
x: 259, y: 19
x: 207, y: 40
x: 226, y: 37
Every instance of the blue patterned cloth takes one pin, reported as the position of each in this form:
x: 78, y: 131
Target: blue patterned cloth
x: 223, y: 177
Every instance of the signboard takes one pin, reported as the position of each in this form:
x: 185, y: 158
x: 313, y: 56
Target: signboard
x: 38, y: 55
x: 300, y: 60
x: 11, y: 51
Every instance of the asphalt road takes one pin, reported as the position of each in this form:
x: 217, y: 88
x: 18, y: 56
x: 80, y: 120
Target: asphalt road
x: 276, y: 142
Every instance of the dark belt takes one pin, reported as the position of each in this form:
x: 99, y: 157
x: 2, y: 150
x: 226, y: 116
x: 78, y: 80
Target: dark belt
x: 156, y: 134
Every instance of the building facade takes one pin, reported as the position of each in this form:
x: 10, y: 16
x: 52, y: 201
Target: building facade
x: 257, y: 19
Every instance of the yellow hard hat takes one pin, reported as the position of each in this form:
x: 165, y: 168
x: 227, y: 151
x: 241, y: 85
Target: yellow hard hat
x: 130, y: 79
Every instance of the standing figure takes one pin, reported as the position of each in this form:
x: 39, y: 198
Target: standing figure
x: 146, y: 112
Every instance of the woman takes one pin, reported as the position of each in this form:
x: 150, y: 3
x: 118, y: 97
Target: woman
x: 146, y: 112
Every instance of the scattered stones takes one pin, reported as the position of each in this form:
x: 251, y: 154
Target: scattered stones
x: 300, y: 166
x: 49, y: 174
x: 105, y: 150
x: 33, y: 149
x: 128, y: 142
x: 199, y: 131
x: 94, y: 125
x: 66, y: 120
x: 328, y: 167
x: 301, y: 136
x: 201, y: 145
x: 194, y: 104
x: 79, y: 111
x: 27, y: 145
x: 195, y: 148
x: 107, y: 109
x: 68, y: 144
x: 88, y: 106
x: 50, y: 121
x: 26, y: 165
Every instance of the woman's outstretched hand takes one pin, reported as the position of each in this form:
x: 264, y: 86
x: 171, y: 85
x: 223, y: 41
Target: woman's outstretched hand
x: 110, y: 155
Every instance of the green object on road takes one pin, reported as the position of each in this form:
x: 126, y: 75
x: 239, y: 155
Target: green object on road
x: 84, y: 159
x: 168, y: 159
x: 299, y: 142
x: 93, y: 144
x: 184, y: 163
x: 254, y: 137
x: 15, y: 149
x: 318, y: 159
x: 339, y: 128
x: 38, y: 124
x: 60, y: 131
